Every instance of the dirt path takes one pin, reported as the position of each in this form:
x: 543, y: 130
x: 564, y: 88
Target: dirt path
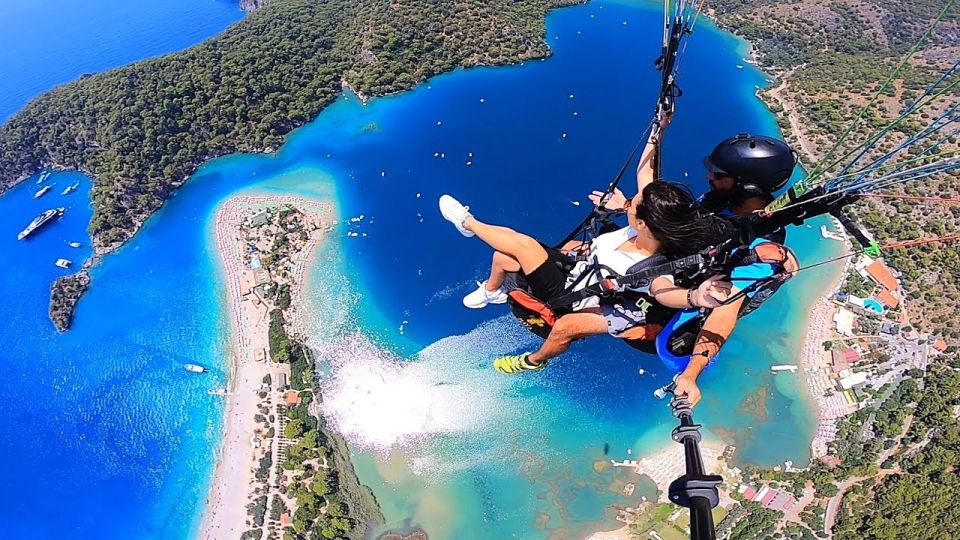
x: 781, y: 94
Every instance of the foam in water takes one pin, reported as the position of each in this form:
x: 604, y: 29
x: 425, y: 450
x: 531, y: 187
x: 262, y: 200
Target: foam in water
x: 449, y: 290
x: 381, y: 402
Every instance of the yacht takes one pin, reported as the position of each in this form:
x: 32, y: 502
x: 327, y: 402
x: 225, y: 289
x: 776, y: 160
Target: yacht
x: 63, y: 263
x: 70, y: 189
x: 43, y: 191
x: 40, y: 221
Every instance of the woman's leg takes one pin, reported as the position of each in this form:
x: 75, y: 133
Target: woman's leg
x: 499, y: 267
x: 522, y: 248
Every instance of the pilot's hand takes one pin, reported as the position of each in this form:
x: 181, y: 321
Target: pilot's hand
x: 687, y: 386
x: 712, y: 293
x: 615, y: 201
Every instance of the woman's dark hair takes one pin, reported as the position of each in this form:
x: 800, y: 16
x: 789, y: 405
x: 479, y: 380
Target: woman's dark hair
x: 675, y: 219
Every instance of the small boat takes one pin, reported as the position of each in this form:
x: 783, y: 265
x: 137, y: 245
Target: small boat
x: 739, y: 66
x: 70, y: 189
x: 63, y: 263
x: 75, y: 244
x: 792, y: 368
x: 43, y: 176
x: 43, y: 191
x: 193, y: 368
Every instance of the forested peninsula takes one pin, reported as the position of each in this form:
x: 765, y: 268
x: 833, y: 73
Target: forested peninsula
x: 140, y: 131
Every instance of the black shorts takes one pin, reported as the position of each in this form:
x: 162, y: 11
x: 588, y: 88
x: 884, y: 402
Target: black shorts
x: 549, y: 280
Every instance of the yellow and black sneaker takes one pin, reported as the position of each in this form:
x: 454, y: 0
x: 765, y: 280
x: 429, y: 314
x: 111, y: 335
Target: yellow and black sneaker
x: 516, y: 364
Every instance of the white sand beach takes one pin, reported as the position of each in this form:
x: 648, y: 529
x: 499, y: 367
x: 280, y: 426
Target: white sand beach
x: 233, y: 480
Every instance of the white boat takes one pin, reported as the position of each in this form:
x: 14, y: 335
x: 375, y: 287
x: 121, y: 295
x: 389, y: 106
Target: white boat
x: 739, y: 66
x: 75, y: 244
x: 63, y: 263
x: 40, y: 221
x: 70, y: 189
x: 43, y: 191
x: 784, y: 367
x: 43, y: 176
x: 193, y: 368
x: 829, y: 234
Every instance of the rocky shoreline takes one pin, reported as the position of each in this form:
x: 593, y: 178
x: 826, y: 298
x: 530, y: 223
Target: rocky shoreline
x: 64, y: 295
x: 253, y: 5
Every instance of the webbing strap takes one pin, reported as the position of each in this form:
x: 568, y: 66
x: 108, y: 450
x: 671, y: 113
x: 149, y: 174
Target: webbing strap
x: 616, y: 283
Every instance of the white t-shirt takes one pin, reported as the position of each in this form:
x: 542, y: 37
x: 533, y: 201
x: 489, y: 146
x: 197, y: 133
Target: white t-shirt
x: 604, y: 248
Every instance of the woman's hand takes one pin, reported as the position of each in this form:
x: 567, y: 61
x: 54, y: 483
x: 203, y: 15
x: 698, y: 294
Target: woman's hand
x: 712, y: 293
x: 663, y: 122
x: 615, y: 201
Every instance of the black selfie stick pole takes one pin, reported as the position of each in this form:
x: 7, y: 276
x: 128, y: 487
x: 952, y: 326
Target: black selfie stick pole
x: 696, y: 489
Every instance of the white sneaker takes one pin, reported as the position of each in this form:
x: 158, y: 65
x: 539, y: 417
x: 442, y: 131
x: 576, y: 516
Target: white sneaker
x: 481, y: 297
x: 455, y: 213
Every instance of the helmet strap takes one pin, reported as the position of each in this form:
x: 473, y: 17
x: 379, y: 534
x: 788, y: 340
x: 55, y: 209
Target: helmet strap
x: 746, y: 190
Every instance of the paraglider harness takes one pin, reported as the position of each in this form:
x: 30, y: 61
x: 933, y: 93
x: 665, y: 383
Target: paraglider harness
x: 539, y: 316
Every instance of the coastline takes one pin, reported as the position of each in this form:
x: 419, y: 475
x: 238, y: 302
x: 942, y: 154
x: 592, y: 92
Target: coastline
x: 232, y: 484
x: 815, y: 361
x: 662, y: 467
x: 668, y: 462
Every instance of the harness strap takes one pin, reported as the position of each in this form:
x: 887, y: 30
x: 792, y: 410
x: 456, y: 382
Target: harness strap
x: 639, y: 280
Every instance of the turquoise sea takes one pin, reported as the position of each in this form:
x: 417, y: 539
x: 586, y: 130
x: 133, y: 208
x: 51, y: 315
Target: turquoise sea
x: 109, y: 437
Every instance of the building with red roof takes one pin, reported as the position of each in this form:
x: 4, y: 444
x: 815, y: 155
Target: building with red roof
x: 888, y: 298
x: 851, y: 356
x: 880, y: 273
x: 292, y: 398
x: 840, y: 362
x: 782, y: 501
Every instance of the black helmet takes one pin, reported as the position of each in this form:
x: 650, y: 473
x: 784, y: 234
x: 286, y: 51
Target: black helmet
x: 759, y: 164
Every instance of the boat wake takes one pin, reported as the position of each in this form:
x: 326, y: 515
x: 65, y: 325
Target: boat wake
x: 381, y: 402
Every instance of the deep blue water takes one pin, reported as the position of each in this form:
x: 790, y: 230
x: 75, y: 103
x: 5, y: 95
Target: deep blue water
x: 44, y: 43
x: 107, y: 436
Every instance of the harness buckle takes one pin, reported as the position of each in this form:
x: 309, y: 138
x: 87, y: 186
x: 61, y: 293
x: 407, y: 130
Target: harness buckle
x: 609, y: 285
